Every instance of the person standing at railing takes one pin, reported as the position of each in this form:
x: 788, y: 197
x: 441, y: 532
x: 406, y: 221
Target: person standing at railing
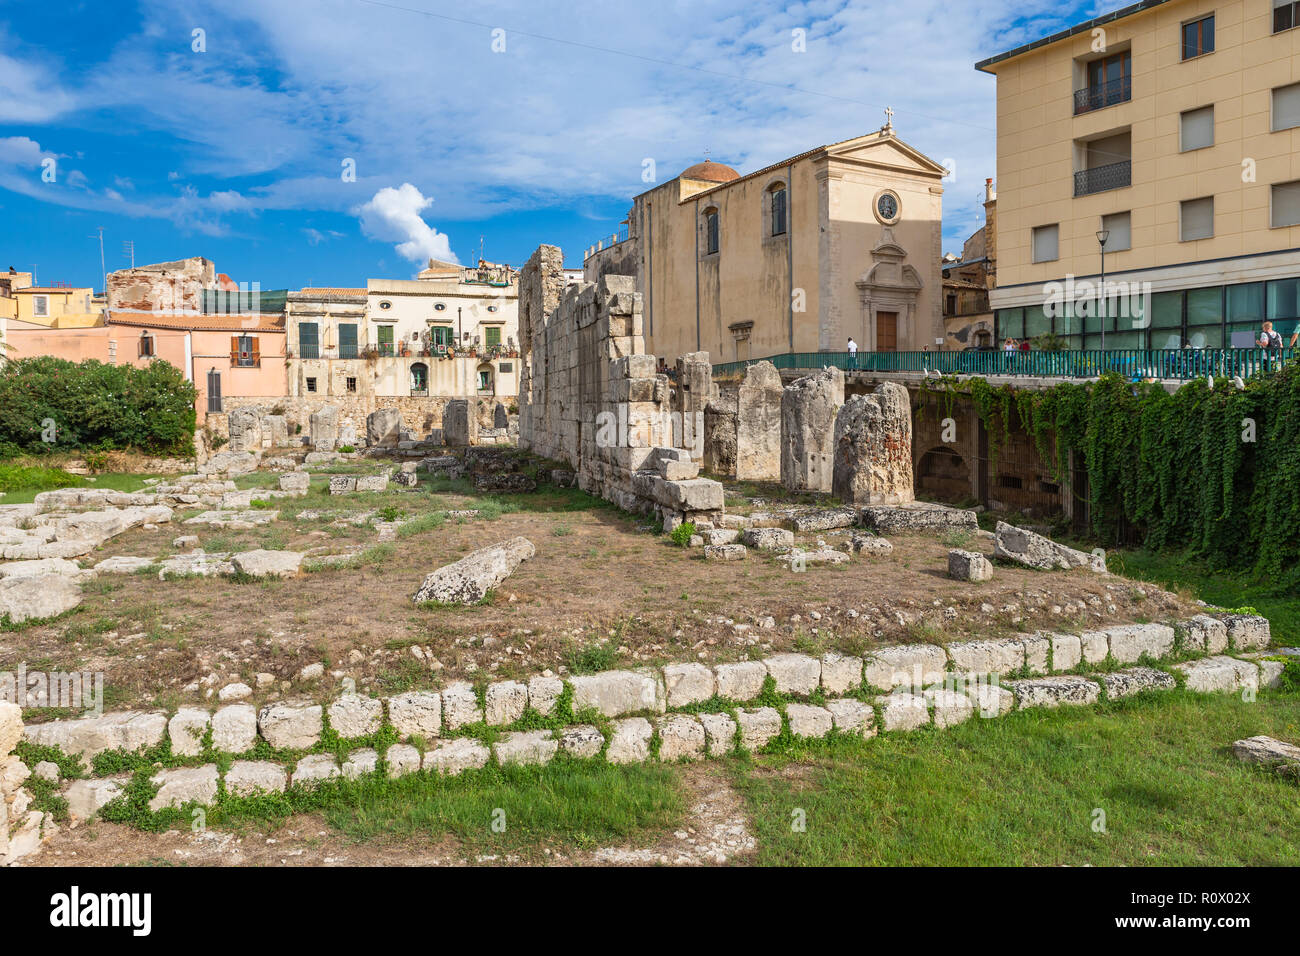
x: 1271, y: 342
x: 853, y: 353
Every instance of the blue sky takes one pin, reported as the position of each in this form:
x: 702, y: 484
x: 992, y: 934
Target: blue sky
x: 233, y: 142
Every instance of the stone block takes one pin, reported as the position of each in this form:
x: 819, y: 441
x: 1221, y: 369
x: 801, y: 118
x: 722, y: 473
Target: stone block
x: 630, y: 741
x: 758, y: 726
x: 185, y: 785
x: 741, y: 680
x: 681, y: 737
x: 969, y: 566
x: 687, y: 684
x: 526, y: 748
x: 794, y: 673
x: 416, y: 714
x: 246, y: 778
x: 719, y: 734
x: 987, y: 657
x: 315, y: 768
x: 1135, y: 680
x: 582, y: 740
x: 505, y: 702
x: 460, y: 706
x: 543, y: 693
x: 1130, y: 641
x: 614, y: 693
x: 401, y: 760
x: 809, y: 721
x: 911, y: 665
x: 1054, y: 691
x: 187, y: 729
x: 902, y: 711
x: 234, y: 729
x: 852, y: 716
x: 840, y: 673
x: 452, y: 757
x: 353, y: 716
x: 291, y: 726
x: 1205, y: 634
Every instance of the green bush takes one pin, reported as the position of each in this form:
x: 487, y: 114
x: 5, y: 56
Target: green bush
x: 683, y: 533
x: 95, y: 407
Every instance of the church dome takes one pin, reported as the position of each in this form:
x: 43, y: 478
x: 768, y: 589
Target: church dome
x: 711, y: 172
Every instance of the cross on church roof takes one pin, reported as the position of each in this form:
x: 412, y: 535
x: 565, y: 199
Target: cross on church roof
x: 889, y: 117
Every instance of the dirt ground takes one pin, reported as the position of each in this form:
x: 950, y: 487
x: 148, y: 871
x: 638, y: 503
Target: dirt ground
x: 714, y: 832
x: 604, y: 590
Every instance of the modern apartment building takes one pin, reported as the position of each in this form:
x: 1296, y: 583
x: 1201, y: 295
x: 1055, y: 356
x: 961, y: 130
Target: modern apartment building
x: 1170, y: 129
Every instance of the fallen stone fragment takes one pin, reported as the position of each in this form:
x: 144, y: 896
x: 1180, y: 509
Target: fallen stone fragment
x: 1035, y: 551
x: 1269, y: 752
x: 969, y: 566
x: 468, y: 580
x: 1135, y: 680
x: 268, y: 564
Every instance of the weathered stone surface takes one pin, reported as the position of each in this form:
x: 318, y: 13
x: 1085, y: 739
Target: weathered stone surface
x: 681, y: 737
x: 826, y: 519
x: 38, y: 597
x: 416, y: 714
x: 969, y: 566
x: 129, y: 730
x: 505, y: 702
x: 989, y: 699
x: 987, y: 657
x: 246, y: 778
x: 43, y: 566
x: 809, y: 721
x: 949, y: 707
x: 372, y: 482
x: 1206, y: 634
x: 323, y: 428
x: 530, y: 747
x: 87, y: 797
x: 758, y: 726
x: 868, y: 544
x: 1135, y: 680
x: 384, y: 428
x: 767, y: 539
x: 353, y: 715
x: 360, y: 762
x: 468, y: 580
x: 918, y: 518
x: 47, y: 770
x: 758, y: 424
x: 808, y: 410
x: 725, y: 552
x: 1035, y: 551
x: 229, y: 463
x: 873, y: 448
x: 401, y: 760
x: 1129, y: 642
x: 1270, y: 752
x: 840, y: 673
x: 913, y: 665
x: 719, y: 734
x: 291, y: 726
x: 720, y: 536
x: 185, y: 785
x: 187, y: 729
x: 687, y: 684
x: 295, y: 482
x: 460, y: 706
x: 452, y: 757
x: 1054, y: 691
x: 1038, y: 647
x: 794, y: 673
x: 630, y: 741
x: 245, y: 428
x: 614, y: 693
x: 460, y: 424
x: 268, y: 564
x: 852, y: 716
x: 313, y: 769
x: 236, y: 691
x: 1247, y: 632
x: 1067, y: 651
x: 543, y: 693
x: 343, y: 484
x: 582, y: 740
x: 1219, y: 674
x: 1094, y: 646
x: 11, y: 726
x: 741, y: 680
x: 902, y: 711
x: 234, y: 729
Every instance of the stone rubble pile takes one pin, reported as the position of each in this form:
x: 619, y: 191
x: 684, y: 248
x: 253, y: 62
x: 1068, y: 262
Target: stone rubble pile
x: 22, y: 830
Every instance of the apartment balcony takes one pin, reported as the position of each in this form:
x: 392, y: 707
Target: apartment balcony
x: 1103, y: 95
x: 1099, y: 179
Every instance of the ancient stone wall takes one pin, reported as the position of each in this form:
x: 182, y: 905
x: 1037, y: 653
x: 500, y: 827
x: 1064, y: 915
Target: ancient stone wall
x: 873, y: 448
x: 592, y: 398
x: 808, y: 410
x: 758, y: 424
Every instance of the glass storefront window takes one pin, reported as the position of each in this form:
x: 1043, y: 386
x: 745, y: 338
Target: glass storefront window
x: 1036, y: 323
x: 1011, y: 322
x: 1205, y: 306
x: 1165, y: 339
x: 1167, y: 310
x: 1246, y: 303
x: 1284, y: 299
x: 1210, y: 337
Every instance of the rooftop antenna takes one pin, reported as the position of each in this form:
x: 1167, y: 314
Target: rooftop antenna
x: 128, y: 250
x: 102, y: 268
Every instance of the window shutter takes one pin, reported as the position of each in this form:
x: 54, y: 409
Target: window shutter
x: 1047, y: 243
x: 257, y: 352
x: 1120, y: 226
x: 1198, y: 128
x: 1286, y: 107
x: 1197, y: 219
x: 234, y: 350
x: 1286, y: 204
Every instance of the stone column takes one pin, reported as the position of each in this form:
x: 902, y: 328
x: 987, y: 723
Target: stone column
x: 808, y: 410
x: 758, y: 424
x: 873, y: 448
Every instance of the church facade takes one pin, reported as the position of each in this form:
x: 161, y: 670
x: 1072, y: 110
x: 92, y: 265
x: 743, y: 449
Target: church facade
x: 840, y: 241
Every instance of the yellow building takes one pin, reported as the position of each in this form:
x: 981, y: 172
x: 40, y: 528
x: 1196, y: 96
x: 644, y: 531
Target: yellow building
x: 1170, y: 129
x: 840, y: 241
x: 56, y: 307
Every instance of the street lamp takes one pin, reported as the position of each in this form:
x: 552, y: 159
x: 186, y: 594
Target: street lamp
x: 1102, y: 236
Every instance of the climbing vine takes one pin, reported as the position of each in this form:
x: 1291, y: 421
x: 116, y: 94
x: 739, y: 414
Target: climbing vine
x: 1214, y: 470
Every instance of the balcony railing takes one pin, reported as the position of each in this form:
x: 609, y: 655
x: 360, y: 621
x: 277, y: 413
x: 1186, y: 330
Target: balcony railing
x: 1103, y: 95
x: 1101, y: 178
x: 1178, y: 364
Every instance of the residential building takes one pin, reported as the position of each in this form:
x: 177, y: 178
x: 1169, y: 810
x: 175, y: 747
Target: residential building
x: 54, y: 307
x: 967, y: 281
x: 839, y: 241
x: 1171, y: 129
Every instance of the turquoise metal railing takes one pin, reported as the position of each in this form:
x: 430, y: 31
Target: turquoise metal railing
x: 1178, y: 364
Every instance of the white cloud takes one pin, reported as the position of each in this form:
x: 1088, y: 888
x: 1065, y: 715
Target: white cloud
x: 393, y: 215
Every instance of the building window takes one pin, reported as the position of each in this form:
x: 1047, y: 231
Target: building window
x: 439, y: 306
x: 1110, y: 81
x: 385, y: 333
x: 506, y: 367
x: 308, y: 340
x: 385, y: 305
x: 1286, y: 107
x: 492, y: 335
x: 1120, y: 227
x: 352, y: 385
x: 40, y: 305
x: 419, y: 379
x: 441, y: 336
x: 1196, y: 219
x: 1197, y: 129
x: 492, y: 308
x: 214, y: 390
x: 711, y: 231
x: 244, y: 351
x: 347, y: 341
x: 1286, y: 15
x: 146, y: 345
x: 1198, y: 37
x: 1047, y: 243
x: 1286, y: 204
x: 778, y: 195
x: 311, y: 384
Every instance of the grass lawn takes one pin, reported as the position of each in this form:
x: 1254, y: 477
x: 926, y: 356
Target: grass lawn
x: 1277, y: 602
x: 24, y: 484
x: 1024, y: 790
